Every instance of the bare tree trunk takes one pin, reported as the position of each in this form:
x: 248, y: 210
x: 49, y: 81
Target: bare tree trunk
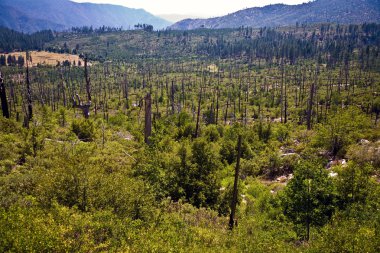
x: 88, y: 82
x: 235, y: 192
x: 198, y: 114
x: 172, y: 95
x: 63, y: 88
x: 311, y: 101
x: 3, y: 96
x: 148, y: 118
x: 29, y: 96
x: 85, y: 107
x: 282, y: 90
x: 226, y: 112
x: 285, y: 103
x: 217, y: 106
x: 310, y: 107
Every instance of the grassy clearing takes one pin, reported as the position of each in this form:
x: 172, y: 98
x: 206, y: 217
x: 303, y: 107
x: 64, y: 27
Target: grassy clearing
x: 47, y: 58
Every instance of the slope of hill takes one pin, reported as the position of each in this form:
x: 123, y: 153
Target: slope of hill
x: 319, y: 11
x: 30, y: 16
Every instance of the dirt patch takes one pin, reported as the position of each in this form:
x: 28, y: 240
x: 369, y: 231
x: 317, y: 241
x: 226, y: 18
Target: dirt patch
x: 47, y: 58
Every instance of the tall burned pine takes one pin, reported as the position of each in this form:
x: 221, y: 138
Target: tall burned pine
x: 3, y: 96
x: 196, y: 134
x: 77, y: 102
x: 29, y: 112
x: 148, y: 118
x: 172, y: 97
x: 311, y: 100
x: 63, y: 88
x: 236, y: 182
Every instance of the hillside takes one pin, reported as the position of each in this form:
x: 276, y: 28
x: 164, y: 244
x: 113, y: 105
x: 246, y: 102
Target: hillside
x: 30, y: 16
x: 319, y: 11
x: 209, y: 140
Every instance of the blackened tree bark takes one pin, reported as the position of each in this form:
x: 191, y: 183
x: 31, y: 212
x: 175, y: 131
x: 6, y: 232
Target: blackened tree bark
x: 172, y: 96
x: 198, y: 115
x: 3, y: 96
x: 77, y: 103
x: 148, y: 118
x: 235, y: 192
x: 63, y: 88
x: 29, y: 96
x: 88, y: 81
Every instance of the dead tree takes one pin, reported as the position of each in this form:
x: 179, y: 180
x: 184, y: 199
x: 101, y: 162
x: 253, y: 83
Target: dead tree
x: 282, y: 91
x: 311, y: 101
x: 3, y: 96
x: 78, y: 103
x: 126, y: 94
x: 85, y: 107
x: 235, y: 192
x: 29, y: 113
x: 63, y: 88
x: 88, y: 81
x: 198, y: 114
x: 172, y: 97
x: 148, y: 118
x: 217, y: 106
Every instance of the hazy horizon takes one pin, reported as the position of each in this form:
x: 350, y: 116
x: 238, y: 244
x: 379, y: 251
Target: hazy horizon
x: 192, y: 9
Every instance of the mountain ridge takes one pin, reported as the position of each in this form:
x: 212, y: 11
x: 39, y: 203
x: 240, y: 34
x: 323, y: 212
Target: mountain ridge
x: 319, y: 11
x: 31, y: 16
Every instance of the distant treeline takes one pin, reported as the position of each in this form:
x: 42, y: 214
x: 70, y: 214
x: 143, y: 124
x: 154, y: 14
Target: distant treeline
x: 11, y: 40
x: 90, y: 29
x: 328, y: 43
x: 12, y: 60
x: 108, y: 29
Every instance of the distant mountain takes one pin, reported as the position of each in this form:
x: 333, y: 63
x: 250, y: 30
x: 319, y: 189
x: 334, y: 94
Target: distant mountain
x: 319, y: 11
x: 177, y: 17
x: 34, y: 15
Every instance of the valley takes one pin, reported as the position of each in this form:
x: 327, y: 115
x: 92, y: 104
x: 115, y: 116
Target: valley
x: 238, y: 139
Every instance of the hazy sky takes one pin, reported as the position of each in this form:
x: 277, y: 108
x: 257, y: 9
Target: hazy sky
x: 201, y: 8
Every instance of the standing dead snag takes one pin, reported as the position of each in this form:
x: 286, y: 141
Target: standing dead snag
x: 29, y: 113
x: 172, y: 97
x: 198, y: 114
x: 3, y: 96
x: 235, y: 193
x: 77, y: 103
x: 63, y: 88
x: 311, y: 102
x: 148, y: 118
x: 88, y: 83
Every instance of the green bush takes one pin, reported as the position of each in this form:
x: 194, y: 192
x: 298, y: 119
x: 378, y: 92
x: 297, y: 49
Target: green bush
x: 84, y: 129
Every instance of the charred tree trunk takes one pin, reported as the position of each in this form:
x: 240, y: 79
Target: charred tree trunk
x: 285, y: 103
x: 126, y: 95
x: 63, y: 88
x: 236, y: 182
x: 77, y: 103
x: 282, y: 91
x: 311, y: 101
x: 172, y: 96
x: 310, y: 107
x: 198, y: 114
x: 217, y: 106
x: 226, y: 112
x: 148, y: 118
x: 3, y: 96
x: 88, y: 81
x: 28, y: 97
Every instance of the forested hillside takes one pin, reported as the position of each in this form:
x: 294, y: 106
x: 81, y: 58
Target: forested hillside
x: 310, y: 12
x: 234, y: 140
x: 11, y: 40
x: 58, y: 15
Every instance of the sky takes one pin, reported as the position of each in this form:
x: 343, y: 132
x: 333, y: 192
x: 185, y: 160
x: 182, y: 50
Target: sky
x: 193, y: 8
